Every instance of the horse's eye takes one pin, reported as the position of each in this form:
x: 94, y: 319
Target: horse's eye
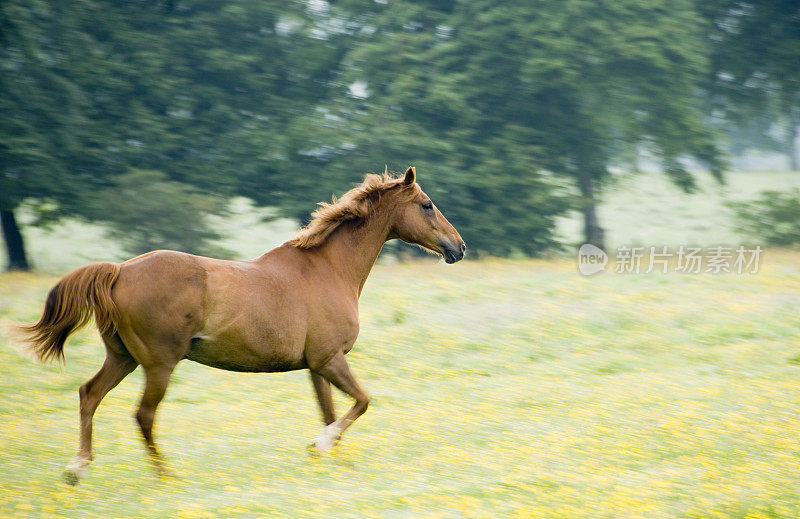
x: 428, y: 206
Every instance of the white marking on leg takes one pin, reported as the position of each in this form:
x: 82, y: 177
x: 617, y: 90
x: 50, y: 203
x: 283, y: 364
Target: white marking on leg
x: 330, y: 433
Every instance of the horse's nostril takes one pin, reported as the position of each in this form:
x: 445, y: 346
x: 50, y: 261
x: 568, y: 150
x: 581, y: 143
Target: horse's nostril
x: 452, y: 254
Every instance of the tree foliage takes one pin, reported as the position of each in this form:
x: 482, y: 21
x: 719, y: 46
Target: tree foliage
x: 755, y: 51
x: 493, y: 96
x: 44, y: 119
x: 512, y: 111
x: 772, y: 218
x: 145, y: 212
x: 95, y: 92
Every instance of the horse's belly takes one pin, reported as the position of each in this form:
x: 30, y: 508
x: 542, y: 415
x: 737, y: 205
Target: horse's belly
x: 238, y: 357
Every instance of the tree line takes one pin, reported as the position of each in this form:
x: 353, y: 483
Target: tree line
x: 146, y: 115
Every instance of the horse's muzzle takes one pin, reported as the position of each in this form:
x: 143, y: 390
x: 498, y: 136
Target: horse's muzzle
x: 453, y: 254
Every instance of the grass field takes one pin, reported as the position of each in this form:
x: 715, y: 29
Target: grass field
x: 500, y: 388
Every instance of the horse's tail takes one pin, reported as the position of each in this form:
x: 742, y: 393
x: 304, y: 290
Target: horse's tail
x: 70, y: 305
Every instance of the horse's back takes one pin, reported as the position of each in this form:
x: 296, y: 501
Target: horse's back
x: 159, y: 274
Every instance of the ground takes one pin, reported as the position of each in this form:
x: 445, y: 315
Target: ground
x: 500, y: 388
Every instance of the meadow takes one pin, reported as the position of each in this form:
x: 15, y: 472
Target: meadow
x: 499, y: 388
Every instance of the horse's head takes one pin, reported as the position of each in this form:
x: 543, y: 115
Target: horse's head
x: 418, y: 221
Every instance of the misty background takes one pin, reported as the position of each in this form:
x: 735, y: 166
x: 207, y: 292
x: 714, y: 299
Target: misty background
x: 214, y: 127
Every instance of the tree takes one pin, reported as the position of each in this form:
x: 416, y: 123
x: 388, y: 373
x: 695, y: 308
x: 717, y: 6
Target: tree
x: 401, y: 100
x: 755, y: 49
x: 167, y: 225
x: 43, y: 123
x: 96, y: 93
x: 772, y: 219
x: 497, y: 97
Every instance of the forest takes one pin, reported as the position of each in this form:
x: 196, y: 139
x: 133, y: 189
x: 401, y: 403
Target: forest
x: 148, y: 116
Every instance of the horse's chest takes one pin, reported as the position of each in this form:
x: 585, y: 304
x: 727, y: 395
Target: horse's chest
x: 340, y: 327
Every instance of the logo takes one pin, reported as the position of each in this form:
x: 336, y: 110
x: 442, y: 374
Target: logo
x: 591, y: 259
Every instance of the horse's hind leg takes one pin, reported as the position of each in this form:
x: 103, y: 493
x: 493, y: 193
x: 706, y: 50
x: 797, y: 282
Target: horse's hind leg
x: 156, y: 380
x: 118, y: 365
x: 158, y: 354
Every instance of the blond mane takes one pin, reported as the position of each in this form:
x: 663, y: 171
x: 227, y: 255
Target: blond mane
x: 354, y: 206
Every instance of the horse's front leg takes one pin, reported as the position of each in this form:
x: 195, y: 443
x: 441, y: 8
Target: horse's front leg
x: 337, y: 372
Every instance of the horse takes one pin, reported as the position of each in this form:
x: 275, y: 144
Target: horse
x: 295, y: 307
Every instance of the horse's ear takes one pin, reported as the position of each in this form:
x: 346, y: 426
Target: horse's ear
x: 411, y: 176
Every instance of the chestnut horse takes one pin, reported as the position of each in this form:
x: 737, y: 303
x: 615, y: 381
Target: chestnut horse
x: 295, y: 307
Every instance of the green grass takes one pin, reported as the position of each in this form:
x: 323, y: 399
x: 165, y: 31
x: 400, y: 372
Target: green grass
x: 500, y: 388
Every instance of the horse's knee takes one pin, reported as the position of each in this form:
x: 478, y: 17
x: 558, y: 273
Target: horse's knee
x: 363, y: 404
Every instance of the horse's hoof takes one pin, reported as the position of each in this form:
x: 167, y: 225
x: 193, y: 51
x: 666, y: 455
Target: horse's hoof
x: 165, y: 473
x: 75, y: 471
x: 71, y: 478
x: 323, y: 443
x: 160, y: 468
x: 330, y: 435
x: 313, y: 451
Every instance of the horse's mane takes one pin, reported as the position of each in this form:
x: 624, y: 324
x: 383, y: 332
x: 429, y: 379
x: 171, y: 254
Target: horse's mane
x: 354, y: 206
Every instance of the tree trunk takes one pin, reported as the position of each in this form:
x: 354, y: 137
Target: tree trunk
x: 592, y: 231
x: 15, y: 246
x: 794, y: 152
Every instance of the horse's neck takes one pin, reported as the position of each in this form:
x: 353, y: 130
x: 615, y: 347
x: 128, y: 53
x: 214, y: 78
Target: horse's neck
x: 353, y: 249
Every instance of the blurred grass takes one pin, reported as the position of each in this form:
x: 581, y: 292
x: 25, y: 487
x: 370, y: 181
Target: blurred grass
x: 500, y: 388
